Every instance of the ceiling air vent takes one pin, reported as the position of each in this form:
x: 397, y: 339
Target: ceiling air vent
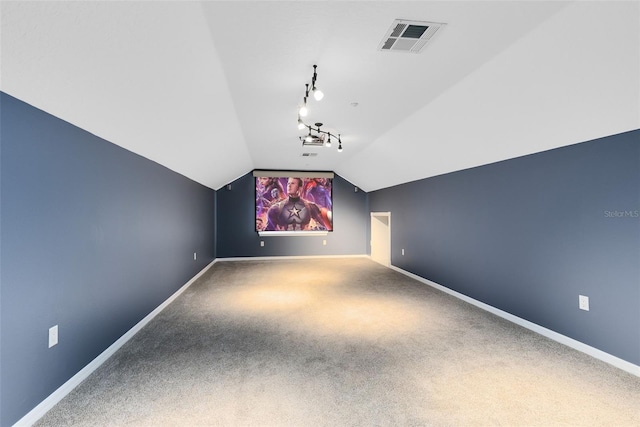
x: 409, y: 36
x: 309, y: 154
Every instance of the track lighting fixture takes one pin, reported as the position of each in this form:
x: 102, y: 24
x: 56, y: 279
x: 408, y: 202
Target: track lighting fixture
x: 303, y: 111
x: 317, y: 93
x: 316, y: 136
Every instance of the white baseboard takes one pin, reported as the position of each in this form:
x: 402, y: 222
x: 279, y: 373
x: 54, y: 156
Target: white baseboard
x: 272, y: 258
x: 562, y: 339
x: 38, y: 412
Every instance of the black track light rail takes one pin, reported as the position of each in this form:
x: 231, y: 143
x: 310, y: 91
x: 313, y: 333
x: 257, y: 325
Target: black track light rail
x: 319, y: 131
x: 302, y: 125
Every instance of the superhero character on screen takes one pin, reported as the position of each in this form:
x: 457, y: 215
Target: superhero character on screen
x: 295, y: 213
x: 318, y: 190
x: 268, y: 191
x: 261, y: 223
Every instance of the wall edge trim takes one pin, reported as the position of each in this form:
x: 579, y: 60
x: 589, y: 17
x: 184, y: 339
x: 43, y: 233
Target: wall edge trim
x: 555, y: 336
x: 271, y: 258
x: 50, y: 401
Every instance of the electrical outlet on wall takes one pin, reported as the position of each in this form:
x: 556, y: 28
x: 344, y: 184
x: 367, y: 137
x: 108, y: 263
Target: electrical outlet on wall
x: 53, y: 336
x: 195, y: 256
x: 583, y: 302
x: 261, y: 243
x: 402, y: 252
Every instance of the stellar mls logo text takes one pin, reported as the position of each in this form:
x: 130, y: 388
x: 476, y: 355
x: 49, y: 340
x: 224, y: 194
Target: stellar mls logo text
x: 622, y: 214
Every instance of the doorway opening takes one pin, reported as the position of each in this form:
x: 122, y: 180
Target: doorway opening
x: 381, y: 238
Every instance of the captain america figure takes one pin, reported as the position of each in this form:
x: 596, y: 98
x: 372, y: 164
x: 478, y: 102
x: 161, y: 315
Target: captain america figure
x: 295, y: 214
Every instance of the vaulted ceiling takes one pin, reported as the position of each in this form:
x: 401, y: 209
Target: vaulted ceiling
x: 210, y: 89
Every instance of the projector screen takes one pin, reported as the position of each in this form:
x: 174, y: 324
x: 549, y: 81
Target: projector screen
x: 293, y: 202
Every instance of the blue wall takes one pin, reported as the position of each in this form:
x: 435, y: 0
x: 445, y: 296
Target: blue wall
x: 236, y: 224
x: 529, y: 235
x: 94, y: 238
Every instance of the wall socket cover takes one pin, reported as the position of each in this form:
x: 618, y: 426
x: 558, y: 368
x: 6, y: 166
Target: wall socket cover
x: 53, y: 336
x: 583, y: 302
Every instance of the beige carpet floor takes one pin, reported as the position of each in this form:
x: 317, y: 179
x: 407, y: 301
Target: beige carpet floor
x: 341, y: 342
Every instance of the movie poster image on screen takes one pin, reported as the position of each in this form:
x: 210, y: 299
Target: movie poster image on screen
x: 294, y: 204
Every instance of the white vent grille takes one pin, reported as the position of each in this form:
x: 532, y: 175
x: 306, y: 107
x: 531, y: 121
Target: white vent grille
x: 409, y: 36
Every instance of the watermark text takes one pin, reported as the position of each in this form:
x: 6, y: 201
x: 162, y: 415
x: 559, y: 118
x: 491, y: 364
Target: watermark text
x: 622, y: 214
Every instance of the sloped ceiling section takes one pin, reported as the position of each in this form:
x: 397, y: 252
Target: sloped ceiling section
x: 576, y: 77
x: 143, y: 75
x: 267, y: 50
x: 210, y: 89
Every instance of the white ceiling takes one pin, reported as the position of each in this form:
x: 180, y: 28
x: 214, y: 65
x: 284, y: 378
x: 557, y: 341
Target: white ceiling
x: 210, y: 89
